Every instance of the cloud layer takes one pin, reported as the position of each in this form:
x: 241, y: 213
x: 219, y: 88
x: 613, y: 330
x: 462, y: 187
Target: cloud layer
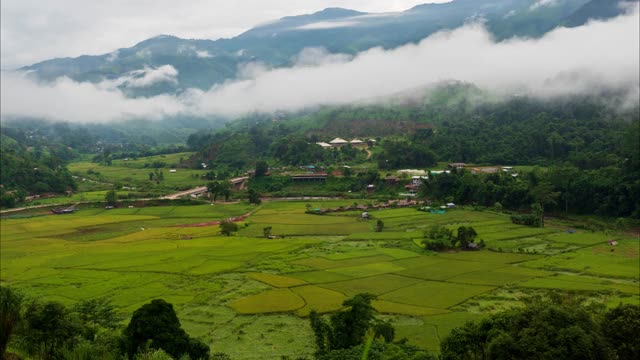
x: 142, y: 78
x: 36, y: 30
x: 599, y: 55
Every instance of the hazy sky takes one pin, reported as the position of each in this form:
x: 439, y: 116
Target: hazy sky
x: 36, y: 30
x: 599, y: 55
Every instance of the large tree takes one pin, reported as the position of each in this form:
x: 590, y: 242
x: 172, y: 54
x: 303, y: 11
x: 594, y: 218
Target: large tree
x: 219, y: 188
x: 158, y: 322
x: 228, y: 227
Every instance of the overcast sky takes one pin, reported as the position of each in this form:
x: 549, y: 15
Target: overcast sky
x: 36, y: 30
x: 601, y: 55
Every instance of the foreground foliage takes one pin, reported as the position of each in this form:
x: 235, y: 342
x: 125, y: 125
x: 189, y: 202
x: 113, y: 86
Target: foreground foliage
x: 157, y: 322
x: 560, y: 328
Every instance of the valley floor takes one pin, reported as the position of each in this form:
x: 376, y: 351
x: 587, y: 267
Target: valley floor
x: 248, y: 296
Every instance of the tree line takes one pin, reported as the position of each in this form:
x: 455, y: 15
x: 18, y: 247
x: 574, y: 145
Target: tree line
x: 556, y: 326
x: 613, y: 191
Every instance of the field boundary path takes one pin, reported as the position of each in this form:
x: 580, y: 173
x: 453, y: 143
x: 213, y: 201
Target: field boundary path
x: 195, y: 190
x: 217, y: 222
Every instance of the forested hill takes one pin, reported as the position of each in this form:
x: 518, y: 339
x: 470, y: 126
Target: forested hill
x: 451, y: 123
x: 31, y: 169
x: 587, y: 146
x: 202, y: 63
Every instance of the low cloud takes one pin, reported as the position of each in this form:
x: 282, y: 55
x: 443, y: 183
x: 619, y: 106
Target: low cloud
x: 67, y: 100
x: 203, y: 54
x: 316, y: 56
x: 542, y: 3
x: 327, y: 25
x: 602, y: 55
x: 564, y: 62
x: 142, y: 78
x: 149, y: 76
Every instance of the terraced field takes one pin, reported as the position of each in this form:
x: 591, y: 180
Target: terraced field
x: 241, y: 290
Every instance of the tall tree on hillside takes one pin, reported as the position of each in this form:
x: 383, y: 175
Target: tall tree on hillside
x: 543, y: 194
x: 563, y: 179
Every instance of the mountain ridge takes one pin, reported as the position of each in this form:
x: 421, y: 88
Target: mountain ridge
x: 203, y: 63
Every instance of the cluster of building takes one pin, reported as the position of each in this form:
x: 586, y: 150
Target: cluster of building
x: 339, y: 142
x: 385, y: 205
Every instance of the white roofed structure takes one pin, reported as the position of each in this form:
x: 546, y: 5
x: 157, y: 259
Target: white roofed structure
x: 357, y: 143
x: 338, y: 141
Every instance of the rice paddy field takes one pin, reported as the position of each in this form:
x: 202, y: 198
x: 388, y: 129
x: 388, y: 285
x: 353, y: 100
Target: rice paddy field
x: 135, y: 172
x: 249, y: 296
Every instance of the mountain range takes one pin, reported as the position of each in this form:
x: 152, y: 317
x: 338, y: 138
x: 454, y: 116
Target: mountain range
x: 168, y: 64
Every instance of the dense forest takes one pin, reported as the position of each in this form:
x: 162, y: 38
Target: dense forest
x: 32, y: 169
x: 456, y: 122
x: 552, y: 327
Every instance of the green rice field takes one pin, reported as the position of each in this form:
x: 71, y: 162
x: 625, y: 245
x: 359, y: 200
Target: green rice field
x: 249, y: 296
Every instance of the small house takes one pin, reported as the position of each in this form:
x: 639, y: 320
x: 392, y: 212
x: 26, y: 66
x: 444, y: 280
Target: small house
x: 365, y: 215
x: 172, y: 170
x: 392, y: 180
x: 357, y: 143
x: 451, y: 205
x: 371, y: 188
x: 457, y: 165
x: 338, y: 142
x: 415, y: 180
x: 324, y: 145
